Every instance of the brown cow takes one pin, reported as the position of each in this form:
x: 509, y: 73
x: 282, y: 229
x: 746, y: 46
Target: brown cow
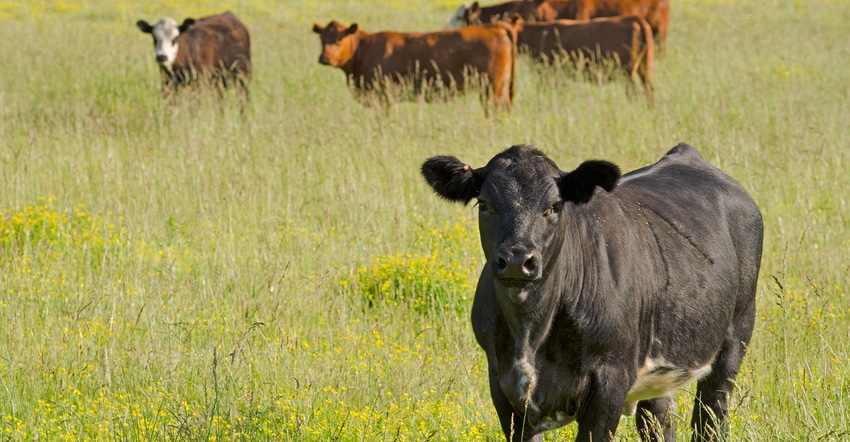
x: 655, y: 12
x: 626, y: 39
x: 433, y: 61
x: 217, y: 48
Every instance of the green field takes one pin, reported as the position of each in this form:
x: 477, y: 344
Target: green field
x: 190, y: 273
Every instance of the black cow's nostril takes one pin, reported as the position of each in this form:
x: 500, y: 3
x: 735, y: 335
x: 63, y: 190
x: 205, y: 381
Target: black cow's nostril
x: 530, y: 264
x: 501, y: 264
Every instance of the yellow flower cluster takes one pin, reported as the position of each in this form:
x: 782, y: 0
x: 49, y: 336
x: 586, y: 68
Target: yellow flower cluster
x: 38, y: 222
x: 437, y: 279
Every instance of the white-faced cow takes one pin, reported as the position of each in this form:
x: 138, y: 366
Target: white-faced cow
x: 601, y: 295
x: 442, y: 61
x: 217, y: 48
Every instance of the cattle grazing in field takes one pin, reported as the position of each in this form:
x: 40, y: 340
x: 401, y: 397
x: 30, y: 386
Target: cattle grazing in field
x: 215, y: 48
x: 440, y: 61
x: 655, y: 12
x: 627, y: 40
x: 602, y: 294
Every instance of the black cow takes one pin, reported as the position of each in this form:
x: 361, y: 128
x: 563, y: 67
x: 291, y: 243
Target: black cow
x: 596, y: 303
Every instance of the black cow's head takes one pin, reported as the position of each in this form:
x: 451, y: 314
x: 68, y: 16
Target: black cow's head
x: 521, y: 199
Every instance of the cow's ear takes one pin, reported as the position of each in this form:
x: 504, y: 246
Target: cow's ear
x: 351, y: 29
x: 578, y: 186
x: 317, y: 29
x: 472, y: 13
x: 516, y: 19
x: 144, y: 26
x: 186, y: 23
x: 452, y: 179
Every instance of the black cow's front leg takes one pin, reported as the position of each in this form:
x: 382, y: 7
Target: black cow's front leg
x: 600, y: 413
x: 654, y: 420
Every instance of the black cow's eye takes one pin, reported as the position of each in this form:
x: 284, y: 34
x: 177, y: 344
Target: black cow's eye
x: 483, y: 206
x: 553, y: 209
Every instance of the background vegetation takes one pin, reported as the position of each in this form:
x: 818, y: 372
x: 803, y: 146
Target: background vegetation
x: 188, y: 273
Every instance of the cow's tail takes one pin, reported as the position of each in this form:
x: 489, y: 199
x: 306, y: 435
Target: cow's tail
x: 645, y: 57
x: 512, y: 35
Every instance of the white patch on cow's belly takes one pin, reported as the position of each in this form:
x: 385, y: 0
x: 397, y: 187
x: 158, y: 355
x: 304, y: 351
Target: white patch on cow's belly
x: 657, y: 377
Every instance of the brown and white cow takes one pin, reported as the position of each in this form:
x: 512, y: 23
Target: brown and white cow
x: 627, y: 40
x: 434, y: 61
x: 655, y: 12
x: 217, y: 48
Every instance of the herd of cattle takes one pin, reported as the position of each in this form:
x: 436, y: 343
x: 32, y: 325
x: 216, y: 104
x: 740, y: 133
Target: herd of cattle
x: 601, y: 294
x: 480, y: 44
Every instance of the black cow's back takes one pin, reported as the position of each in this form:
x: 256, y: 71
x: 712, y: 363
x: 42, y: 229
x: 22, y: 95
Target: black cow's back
x: 697, y: 214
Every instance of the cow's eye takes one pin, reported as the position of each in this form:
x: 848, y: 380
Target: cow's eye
x: 552, y: 210
x: 483, y: 206
x: 174, y: 42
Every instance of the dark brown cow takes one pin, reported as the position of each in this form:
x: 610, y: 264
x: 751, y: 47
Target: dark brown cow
x: 626, y: 39
x: 433, y: 61
x: 217, y: 48
x: 655, y: 12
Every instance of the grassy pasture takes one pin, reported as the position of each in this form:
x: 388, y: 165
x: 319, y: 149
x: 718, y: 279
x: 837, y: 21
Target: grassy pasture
x: 187, y: 273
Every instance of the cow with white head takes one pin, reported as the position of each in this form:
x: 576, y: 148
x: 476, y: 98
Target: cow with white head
x: 216, y: 48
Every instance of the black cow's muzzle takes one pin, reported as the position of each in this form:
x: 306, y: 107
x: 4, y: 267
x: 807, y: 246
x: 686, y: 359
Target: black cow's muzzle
x: 161, y: 58
x: 516, y: 267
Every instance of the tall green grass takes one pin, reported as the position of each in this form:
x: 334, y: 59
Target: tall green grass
x: 190, y: 272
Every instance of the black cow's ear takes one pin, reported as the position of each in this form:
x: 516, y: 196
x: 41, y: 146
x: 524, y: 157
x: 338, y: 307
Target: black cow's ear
x: 186, y: 23
x: 144, y: 26
x: 316, y: 28
x: 578, y: 186
x: 452, y: 179
x: 351, y: 29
